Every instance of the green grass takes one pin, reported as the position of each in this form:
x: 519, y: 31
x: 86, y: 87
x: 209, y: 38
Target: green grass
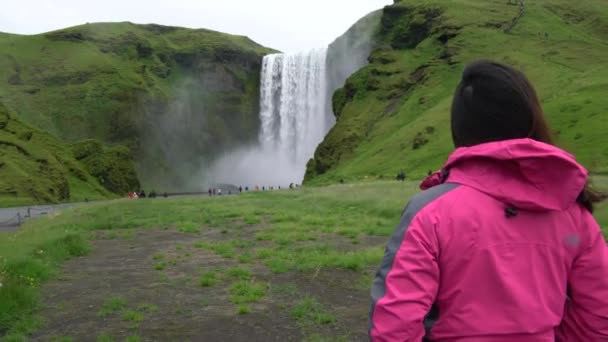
x: 224, y: 249
x: 105, y: 338
x: 188, y: 227
x: 133, y: 316
x: 160, y: 266
x: 239, y: 273
x: 379, y: 118
x: 158, y: 256
x: 310, y: 311
x: 61, y: 339
x: 208, y: 279
x: 287, y: 289
x: 33, y: 254
x: 112, y: 305
x: 245, y: 257
x: 133, y: 338
x: 252, y: 220
x: 147, y: 308
x: 319, y: 338
x: 244, y: 291
x: 243, y: 309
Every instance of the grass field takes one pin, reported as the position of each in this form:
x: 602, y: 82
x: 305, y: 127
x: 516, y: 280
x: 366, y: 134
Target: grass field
x: 289, y: 265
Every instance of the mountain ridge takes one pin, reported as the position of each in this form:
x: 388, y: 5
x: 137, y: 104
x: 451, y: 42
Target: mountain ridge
x: 393, y: 114
x: 128, y: 86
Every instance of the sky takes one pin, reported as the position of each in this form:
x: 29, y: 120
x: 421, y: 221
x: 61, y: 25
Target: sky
x: 285, y: 25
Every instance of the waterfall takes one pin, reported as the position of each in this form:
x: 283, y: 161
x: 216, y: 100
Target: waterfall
x: 293, y: 112
x: 294, y: 118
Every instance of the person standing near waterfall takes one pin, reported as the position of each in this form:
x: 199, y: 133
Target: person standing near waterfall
x: 502, y: 244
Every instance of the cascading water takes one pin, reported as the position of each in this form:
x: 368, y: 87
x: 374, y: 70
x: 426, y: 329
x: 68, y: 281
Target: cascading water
x: 294, y: 118
x: 293, y: 112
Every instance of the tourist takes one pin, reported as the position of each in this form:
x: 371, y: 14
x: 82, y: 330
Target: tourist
x: 503, y: 246
x: 401, y: 176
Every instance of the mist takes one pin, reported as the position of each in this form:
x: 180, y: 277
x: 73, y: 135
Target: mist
x: 349, y: 52
x: 251, y: 166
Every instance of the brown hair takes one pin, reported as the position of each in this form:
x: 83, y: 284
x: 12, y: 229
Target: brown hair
x: 496, y: 102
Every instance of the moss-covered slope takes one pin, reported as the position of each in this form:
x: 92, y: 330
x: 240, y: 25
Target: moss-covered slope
x: 36, y: 167
x: 394, y: 113
x: 128, y: 84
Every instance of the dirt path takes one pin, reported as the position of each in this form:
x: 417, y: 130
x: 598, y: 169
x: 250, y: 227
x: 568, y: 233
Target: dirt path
x: 147, y: 283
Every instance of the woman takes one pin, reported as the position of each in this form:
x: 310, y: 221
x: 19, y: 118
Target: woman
x: 502, y: 245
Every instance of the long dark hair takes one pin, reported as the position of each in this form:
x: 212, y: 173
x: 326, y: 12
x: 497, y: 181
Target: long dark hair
x: 496, y: 102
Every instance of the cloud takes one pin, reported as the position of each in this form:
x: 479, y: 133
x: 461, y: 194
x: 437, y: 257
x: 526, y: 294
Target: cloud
x: 285, y: 25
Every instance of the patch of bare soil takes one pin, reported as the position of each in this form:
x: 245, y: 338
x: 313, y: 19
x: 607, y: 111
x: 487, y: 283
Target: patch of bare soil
x: 186, y: 311
x: 340, y: 292
x: 161, y: 269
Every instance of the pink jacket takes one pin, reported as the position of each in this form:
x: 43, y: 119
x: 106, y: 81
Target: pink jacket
x: 491, y: 250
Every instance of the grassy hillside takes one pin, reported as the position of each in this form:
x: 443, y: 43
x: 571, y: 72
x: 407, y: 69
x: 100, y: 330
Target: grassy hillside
x: 36, y: 167
x: 128, y: 84
x: 394, y: 113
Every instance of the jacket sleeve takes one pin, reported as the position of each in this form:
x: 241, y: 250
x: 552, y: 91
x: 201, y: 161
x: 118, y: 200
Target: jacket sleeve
x: 406, y: 284
x: 586, y: 312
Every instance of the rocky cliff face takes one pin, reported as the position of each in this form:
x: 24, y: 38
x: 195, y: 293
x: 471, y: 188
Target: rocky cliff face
x: 214, y: 108
x: 347, y: 54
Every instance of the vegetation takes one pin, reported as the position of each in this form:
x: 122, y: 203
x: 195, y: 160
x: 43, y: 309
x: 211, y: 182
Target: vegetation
x: 393, y: 114
x: 244, y: 291
x: 208, y: 279
x: 127, y: 87
x: 243, y: 309
x: 112, y: 166
x: 105, y: 338
x: 310, y: 311
x: 106, y: 88
x: 111, y: 306
x: 333, y: 214
x: 35, y: 167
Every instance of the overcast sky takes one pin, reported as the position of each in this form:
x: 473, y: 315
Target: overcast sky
x: 286, y: 25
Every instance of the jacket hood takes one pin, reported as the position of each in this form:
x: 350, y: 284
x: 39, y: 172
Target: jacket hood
x: 522, y: 173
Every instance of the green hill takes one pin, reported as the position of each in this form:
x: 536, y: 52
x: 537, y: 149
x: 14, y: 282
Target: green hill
x: 135, y: 85
x: 394, y: 113
x: 36, y: 167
